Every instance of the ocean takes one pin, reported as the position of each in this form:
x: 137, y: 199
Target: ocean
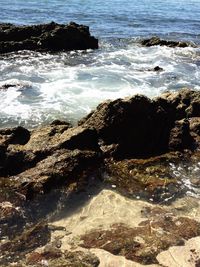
x: 69, y: 85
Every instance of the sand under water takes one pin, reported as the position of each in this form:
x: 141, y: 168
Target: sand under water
x: 109, y: 208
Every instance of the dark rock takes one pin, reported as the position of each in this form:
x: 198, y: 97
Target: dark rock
x: 63, y: 167
x: 7, y: 85
x: 157, y: 41
x: 123, y: 128
x: 128, y: 123
x: 180, y: 137
x: 58, y: 122
x: 27, y: 241
x: 17, y: 135
x: 186, y: 102
x: 81, y: 138
x: 46, y: 37
x: 157, y: 68
x: 21, y: 150
x: 11, y: 218
x: 61, y: 135
x: 140, y: 127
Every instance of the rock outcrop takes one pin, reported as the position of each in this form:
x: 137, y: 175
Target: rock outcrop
x: 157, y: 41
x: 140, y: 127
x: 46, y: 37
x: 123, y: 143
x: 136, y: 127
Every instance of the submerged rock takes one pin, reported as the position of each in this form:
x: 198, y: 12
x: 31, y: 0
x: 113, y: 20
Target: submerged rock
x: 157, y: 41
x: 46, y: 37
x: 56, y: 258
x: 151, y: 179
x: 27, y: 241
x: 143, y: 243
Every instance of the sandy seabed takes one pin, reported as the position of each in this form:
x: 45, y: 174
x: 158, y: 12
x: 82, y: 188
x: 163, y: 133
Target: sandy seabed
x: 108, y: 208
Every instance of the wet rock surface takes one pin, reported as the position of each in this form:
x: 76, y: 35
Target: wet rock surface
x: 157, y: 41
x: 67, y: 258
x: 122, y: 144
x: 142, y: 244
x: 55, y: 155
x: 46, y: 37
x: 30, y: 239
x: 150, y: 179
x: 52, y: 256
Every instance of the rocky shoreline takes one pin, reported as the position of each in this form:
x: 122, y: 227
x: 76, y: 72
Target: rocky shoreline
x: 128, y: 144
x: 54, y: 37
x: 132, y: 128
x: 51, y: 37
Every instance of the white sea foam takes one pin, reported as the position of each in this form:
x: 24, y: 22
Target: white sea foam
x: 68, y: 85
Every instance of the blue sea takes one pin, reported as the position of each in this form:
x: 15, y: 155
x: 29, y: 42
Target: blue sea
x: 69, y: 85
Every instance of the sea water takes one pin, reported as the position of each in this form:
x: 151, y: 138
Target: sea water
x: 69, y: 85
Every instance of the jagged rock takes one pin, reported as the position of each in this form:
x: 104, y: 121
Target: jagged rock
x: 141, y: 127
x: 195, y: 125
x: 22, y: 154
x: 157, y: 41
x: 14, y: 136
x: 17, y: 135
x: 180, y: 137
x: 184, y: 103
x: 46, y: 37
x: 124, y: 128
x: 8, y: 85
x: 63, y: 167
x: 48, y: 158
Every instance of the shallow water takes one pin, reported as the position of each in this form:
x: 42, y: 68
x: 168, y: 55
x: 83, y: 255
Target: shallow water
x: 68, y: 85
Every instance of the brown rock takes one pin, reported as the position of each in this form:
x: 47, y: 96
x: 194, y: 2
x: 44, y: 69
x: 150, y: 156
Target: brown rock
x: 41, y: 142
x: 66, y: 259
x: 150, y: 179
x: 61, y: 168
x: 143, y: 243
x: 25, y: 242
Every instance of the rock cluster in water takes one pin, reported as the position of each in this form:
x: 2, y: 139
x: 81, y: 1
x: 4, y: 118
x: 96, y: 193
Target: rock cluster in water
x: 157, y: 41
x: 133, y: 140
x: 46, y: 37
